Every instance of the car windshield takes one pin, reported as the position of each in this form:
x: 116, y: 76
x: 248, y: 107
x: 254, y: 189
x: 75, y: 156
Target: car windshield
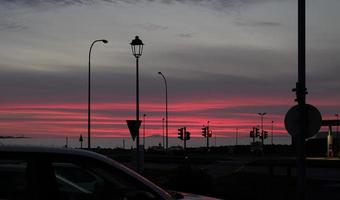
x: 97, y: 182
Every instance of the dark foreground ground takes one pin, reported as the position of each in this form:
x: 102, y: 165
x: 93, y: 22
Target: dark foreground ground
x: 235, y: 172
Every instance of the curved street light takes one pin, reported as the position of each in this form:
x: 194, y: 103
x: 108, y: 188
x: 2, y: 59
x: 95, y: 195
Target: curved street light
x: 166, y: 109
x: 89, y: 95
x: 137, y: 50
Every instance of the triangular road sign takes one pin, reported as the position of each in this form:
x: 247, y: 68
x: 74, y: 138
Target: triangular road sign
x: 133, y: 126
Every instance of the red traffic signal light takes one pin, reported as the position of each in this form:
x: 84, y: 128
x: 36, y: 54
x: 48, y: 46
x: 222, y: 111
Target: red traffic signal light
x: 265, y: 134
x: 204, y: 131
x: 210, y: 133
x: 180, y: 133
x: 257, y: 132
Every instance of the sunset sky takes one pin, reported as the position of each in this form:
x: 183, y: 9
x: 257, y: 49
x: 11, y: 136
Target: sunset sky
x: 225, y: 61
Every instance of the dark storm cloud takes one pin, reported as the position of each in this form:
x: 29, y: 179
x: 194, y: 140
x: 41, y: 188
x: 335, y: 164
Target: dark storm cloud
x: 113, y: 85
x: 240, y: 60
x: 234, y: 72
x: 214, y: 86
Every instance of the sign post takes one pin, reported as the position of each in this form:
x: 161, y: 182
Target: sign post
x: 134, y: 126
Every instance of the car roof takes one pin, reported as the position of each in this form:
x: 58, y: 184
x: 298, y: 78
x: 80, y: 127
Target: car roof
x: 77, y: 152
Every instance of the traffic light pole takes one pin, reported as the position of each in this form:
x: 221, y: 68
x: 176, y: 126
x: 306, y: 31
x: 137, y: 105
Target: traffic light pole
x: 208, y: 137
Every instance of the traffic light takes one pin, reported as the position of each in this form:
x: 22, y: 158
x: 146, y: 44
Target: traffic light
x: 187, y: 135
x: 210, y: 133
x: 204, y: 131
x: 180, y: 133
x: 265, y: 134
x: 252, y: 133
x: 257, y: 132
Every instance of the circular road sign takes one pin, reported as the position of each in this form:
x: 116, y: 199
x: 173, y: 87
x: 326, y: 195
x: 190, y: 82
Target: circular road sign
x: 293, y: 122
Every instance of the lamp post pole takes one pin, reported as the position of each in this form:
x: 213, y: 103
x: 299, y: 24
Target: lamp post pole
x: 137, y: 49
x: 137, y: 113
x: 166, y: 111
x: 144, y: 130
x: 163, y: 132
x: 89, y: 95
x: 262, y: 132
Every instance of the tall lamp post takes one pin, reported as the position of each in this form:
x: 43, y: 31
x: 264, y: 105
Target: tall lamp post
x: 144, y: 129
x: 89, y: 96
x: 166, y: 109
x: 262, y: 132
x: 163, y: 132
x: 137, y: 50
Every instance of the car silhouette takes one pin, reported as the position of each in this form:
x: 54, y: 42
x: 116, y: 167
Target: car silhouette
x: 38, y: 173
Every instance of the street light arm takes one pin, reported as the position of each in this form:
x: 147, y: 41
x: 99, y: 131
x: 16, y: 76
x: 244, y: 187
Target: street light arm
x: 102, y: 40
x: 262, y: 114
x: 160, y: 73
